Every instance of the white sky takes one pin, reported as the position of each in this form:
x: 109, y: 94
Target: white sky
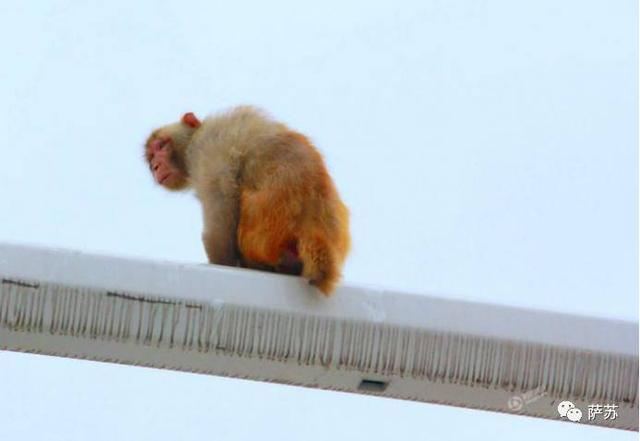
x: 487, y: 150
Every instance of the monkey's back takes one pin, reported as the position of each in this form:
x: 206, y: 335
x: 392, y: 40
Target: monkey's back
x: 248, y: 147
x: 218, y: 149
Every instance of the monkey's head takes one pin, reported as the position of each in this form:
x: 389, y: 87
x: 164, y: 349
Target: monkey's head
x: 165, y: 152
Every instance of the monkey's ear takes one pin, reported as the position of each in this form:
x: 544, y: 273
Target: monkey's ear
x: 191, y: 120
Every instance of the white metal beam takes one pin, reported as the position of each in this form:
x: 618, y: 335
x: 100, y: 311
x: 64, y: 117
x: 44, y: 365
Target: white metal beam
x: 250, y: 324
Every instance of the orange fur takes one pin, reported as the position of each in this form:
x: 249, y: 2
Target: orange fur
x: 295, y: 209
x: 269, y: 202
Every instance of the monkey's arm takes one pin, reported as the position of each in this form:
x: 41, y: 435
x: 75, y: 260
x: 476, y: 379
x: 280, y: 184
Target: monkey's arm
x: 220, y: 211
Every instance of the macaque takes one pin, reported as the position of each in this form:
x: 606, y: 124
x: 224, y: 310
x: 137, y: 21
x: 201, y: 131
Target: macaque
x: 268, y: 201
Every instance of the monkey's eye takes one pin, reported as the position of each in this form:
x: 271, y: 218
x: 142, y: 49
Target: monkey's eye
x: 157, y: 144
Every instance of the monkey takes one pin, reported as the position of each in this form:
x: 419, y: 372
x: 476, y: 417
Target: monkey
x: 268, y: 201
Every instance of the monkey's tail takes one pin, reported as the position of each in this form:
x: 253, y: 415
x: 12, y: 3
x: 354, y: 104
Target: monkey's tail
x: 320, y: 260
x: 323, y: 248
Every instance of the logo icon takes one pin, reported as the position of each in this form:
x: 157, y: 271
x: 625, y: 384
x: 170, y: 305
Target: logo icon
x: 570, y: 411
x: 515, y: 403
x: 565, y: 407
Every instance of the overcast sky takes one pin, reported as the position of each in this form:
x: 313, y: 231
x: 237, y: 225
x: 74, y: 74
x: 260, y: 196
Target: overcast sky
x: 487, y: 150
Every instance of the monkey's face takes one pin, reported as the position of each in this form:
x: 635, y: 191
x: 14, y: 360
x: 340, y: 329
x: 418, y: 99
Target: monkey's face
x: 165, y: 152
x: 165, y: 161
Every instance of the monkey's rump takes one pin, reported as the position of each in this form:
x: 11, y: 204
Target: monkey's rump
x: 294, y: 207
